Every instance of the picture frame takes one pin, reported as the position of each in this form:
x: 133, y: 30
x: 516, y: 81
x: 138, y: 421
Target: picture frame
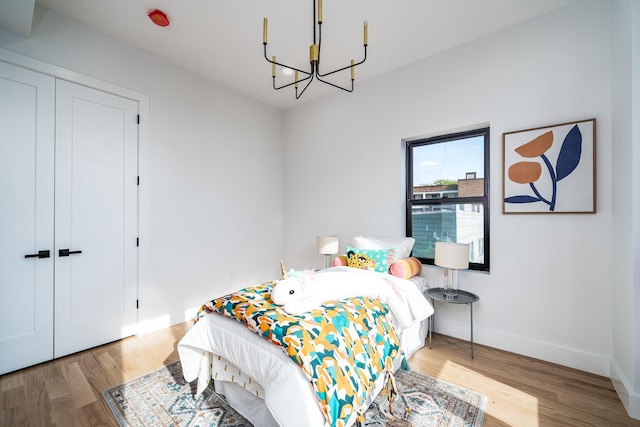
x: 550, y: 169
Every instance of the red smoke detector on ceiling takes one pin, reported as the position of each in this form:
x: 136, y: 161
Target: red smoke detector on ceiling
x: 159, y: 18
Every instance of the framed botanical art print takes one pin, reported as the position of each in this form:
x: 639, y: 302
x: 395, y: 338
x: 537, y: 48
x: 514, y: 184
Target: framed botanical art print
x: 550, y: 169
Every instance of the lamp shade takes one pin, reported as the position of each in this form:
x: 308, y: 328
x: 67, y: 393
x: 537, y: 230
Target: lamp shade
x: 327, y: 245
x: 452, y: 255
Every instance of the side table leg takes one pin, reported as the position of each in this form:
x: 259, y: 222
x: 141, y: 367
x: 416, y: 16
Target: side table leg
x: 471, y: 307
x: 430, y: 323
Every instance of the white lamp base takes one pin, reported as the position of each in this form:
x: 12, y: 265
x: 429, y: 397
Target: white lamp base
x: 326, y: 260
x: 450, y: 283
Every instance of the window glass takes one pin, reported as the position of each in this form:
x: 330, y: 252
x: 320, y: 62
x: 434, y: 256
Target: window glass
x: 448, y: 222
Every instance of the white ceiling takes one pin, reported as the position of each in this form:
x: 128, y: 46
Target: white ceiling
x: 222, y: 39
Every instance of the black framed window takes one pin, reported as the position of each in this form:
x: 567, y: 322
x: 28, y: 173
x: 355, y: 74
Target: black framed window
x: 448, y: 194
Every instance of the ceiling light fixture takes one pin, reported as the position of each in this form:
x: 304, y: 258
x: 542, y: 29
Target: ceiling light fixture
x: 314, y: 57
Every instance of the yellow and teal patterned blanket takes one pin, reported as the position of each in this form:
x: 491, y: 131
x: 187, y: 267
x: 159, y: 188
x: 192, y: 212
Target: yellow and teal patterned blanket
x: 342, y: 346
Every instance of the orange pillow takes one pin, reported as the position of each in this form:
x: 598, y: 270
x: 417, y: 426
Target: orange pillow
x: 340, y: 261
x: 406, y: 268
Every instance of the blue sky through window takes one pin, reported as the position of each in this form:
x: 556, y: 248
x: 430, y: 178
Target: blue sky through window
x: 448, y: 160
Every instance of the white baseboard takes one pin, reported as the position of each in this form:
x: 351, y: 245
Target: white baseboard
x: 572, y: 358
x: 630, y: 400
x: 151, y: 324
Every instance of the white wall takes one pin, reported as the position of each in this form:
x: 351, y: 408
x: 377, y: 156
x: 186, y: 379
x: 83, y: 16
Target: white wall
x: 548, y: 294
x: 211, y: 183
x: 634, y: 318
x: 625, y: 371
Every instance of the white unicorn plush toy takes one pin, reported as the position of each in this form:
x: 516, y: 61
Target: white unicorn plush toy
x: 299, y: 292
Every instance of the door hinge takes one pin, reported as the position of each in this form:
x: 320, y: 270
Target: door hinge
x: 138, y: 118
x: 137, y: 304
x: 138, y: 179
x: 137, y: 241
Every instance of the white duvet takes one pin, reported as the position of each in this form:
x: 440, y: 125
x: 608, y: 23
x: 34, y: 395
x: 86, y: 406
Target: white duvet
x: 287, y: 394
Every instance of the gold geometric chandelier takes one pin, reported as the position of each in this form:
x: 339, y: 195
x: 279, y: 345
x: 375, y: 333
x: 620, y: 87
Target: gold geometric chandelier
x: 314, y: 58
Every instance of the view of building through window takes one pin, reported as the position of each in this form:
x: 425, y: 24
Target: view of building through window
x: 447, y: 194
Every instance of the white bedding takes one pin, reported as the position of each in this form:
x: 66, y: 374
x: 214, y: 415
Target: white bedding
x: 288, y: 395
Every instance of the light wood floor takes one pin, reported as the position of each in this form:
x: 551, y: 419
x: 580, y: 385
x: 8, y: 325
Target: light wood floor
x: 521, y: 391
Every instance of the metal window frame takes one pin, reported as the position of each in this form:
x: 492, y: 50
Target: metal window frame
x: 410, y: 201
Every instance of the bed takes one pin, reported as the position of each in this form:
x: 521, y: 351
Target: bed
x: 263, y: 383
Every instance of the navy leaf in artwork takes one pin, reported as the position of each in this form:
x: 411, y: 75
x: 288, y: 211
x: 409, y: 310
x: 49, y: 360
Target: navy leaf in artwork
x: 570, y: 153
x: 521, y: 199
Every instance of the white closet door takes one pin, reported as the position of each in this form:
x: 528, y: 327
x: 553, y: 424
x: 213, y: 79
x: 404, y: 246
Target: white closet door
x: 95, y: 218
x: 26, y: 217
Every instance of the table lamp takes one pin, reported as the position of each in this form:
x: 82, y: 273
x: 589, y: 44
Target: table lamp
x: 327, y: 246
x: 453, y: 257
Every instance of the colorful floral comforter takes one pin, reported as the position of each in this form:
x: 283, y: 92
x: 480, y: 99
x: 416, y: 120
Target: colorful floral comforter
x: 342, y: 347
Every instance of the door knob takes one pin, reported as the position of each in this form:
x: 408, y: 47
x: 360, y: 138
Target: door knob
x: 40, y: 254
x: 67, y: 252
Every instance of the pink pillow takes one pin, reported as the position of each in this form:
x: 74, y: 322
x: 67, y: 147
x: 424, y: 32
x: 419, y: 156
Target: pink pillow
x: 405, y: 268
x: 340, y: 261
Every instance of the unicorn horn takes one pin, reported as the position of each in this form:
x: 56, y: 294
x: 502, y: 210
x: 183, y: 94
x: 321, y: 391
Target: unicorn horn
x: 284, y: 272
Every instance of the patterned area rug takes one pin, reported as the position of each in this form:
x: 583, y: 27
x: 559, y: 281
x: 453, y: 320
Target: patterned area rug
x: 163, y: 398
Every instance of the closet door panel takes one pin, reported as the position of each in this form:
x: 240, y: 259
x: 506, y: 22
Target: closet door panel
x: 26, y: 217
x: 96, y: 217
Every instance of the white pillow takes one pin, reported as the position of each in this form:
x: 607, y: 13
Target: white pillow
x: 402, y: 245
